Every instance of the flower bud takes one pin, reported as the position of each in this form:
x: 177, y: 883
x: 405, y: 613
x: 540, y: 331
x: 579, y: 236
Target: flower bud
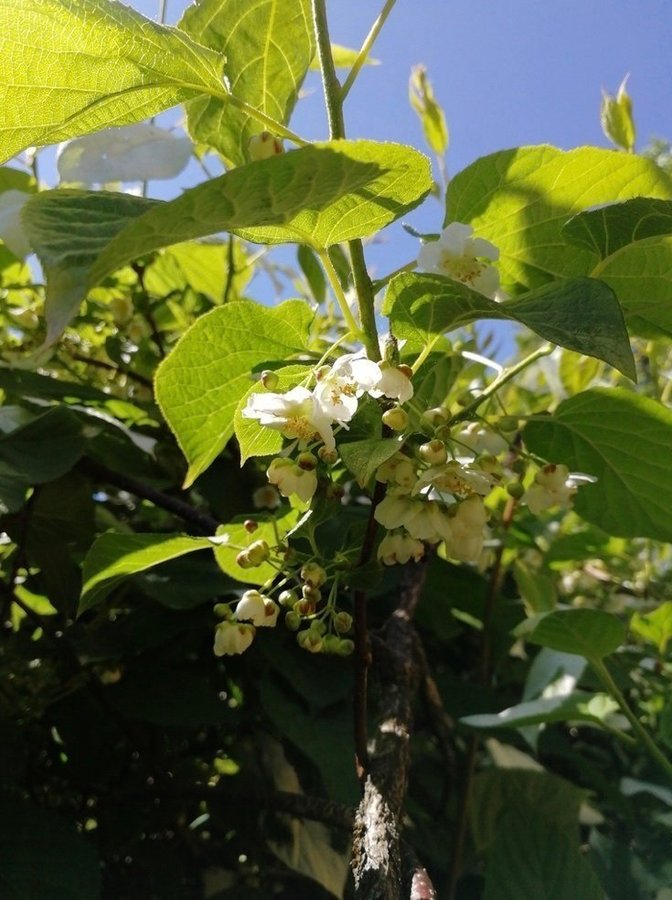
x: 508, y: 424
x: 257, y: 553
x: 250, y: 526
x: 396, y: 418
x: 433, y: 452
x: 515, y: 489
x: 405, y: 370
x: 304, y: 607
x: 223, y: 610
x: 288, y: 599
x: 436, y: 416
x: 342, y: 622
x: 327, y: 456
x: 313, y: 574
x: 335, y: 492
x: 293, y: 621
x: 312, y: 594
x: 266, y: 497
x: 269, y: 380
x: 345, y: 647
x: 263, y: 146
x: 318, y: 626
x: 244, y: 561
x: 310, y: 641
x: 330, y: 644
x: 307, y: 461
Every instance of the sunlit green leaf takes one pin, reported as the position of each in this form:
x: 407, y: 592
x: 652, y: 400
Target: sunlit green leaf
x: 319, y: 195
x: 608, y: 229
x: 68, y: 67
x: 581, y: 314
x: 268, y: 46
x: 520, y: 199
x: 200, y: 384
x: 68, y: 229
x: 591, y: 633
x: 576, y: 707
x: 654, y: 626
x: 114, y: 557
x: 623, y: 439
x: 234, y: 537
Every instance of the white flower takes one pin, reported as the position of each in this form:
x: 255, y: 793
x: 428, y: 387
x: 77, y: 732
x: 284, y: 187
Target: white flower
x: 481, y: 440
x: 393, y: 383
x: 257, y: 608
x: 11, y: 228
x: 460, y: 256
x: 399, y: 548
x: 552, y: 487
x: 232, y: 638
x: 399, y: 472
x: 339, y: 387
x: 292, y: 479
x: 297, y: 414
x: 394, y: 512
x: 454, y: 478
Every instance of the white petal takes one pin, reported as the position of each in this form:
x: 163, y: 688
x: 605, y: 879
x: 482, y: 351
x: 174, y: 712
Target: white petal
x: 11, y: 228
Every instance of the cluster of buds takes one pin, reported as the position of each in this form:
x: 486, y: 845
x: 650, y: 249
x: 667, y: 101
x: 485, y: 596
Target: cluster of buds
x: 319, y: 626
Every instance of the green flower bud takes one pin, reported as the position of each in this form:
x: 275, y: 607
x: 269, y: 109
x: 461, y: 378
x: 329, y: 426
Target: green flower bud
x: 223, y: 610
x: 327, y: 456
x: 515, y: 489
x: 244, y: 561
x: 269, y: 380
x: 257, y: 553
x: 293, y: 621
x: 433, y: 452
x: 311, y: 594
x: 345, y: 647
x: 304, y: 607
x: 342, y: 622
x: 508, y: 424
x: 330, y: 643
x: 396, y: 418
x: 318, y: 626
x: 436, y: 416
x: 288, y: 599
x: 310, y: 641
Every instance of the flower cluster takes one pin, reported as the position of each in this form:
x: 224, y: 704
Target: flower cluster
x: 236, y: 633
x: 553, y: 486
x: 309, y: 416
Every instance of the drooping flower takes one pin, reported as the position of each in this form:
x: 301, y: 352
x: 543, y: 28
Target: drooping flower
x: 399, y: 473
x: 454, y: 478
x: 552, y: 487
x: 462, y: 257
x: 258, y: 609
x: 467, y: 530
x: 290, y: 478
x: 394, y: 383
x: 339, y: 387
x: 297, y: 414
x: 232, y: 638
x: 395, y: 511
x: 399, y: 547
x: 478, y: 439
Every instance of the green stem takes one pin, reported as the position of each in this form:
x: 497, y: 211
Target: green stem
x: 641, y: 733
x: 332, y: 275
x: 366, y: 47
x: 501, y: 380
x: 333, y: 97
x: 424, y: 353
x: 276, y: 128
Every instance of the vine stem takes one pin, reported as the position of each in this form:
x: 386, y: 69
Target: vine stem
x: 366, y: 47
x: 333, y: 97
x: 642, y: 734
x: 501, y: 380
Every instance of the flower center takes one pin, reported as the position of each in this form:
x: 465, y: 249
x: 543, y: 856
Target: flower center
x: 462, y: 268
x: 299, y: 427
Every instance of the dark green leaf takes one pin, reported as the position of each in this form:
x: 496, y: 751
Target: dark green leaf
x: 591, y: 633
x: 606, y: 230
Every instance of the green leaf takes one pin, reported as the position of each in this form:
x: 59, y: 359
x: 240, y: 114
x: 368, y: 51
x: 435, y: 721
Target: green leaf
x: 42, y: 856
x: 520, y: 199
x: 68, y: 229
x: 363, y: 458
x: 312, y: 269
x: 255, y: 439
x: 624, y: 440
x: 200, y: 384
x: 430, y: 113
x: 536, y: 588
x: 587, y: 632
x: 268, y: 46
x: 640, y: 274
x: 344, y: 58
x: 234, y: 537
x: 319, y: 195
x: 616, y: 118
x: 37, y: 452
x: 581, y: 314
x: 533, y: 857
x: 114, y: 557
x: 606, y: 230
x: 69, y: 67
x: 654, y: 626
x: 575, y: 707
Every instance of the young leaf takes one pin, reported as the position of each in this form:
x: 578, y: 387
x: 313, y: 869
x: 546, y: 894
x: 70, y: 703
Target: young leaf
x: 624, y: 440
x: 606, y: 230
x: 114, y: 557
x: 581, y: 314
x: 575, y: 707
x: 616, y: 118
x: 520, y: 199
x: 268, y: 46
x: 318, y: 195
x: 591, y: 633
x: 69, y: 67
x: 200, y: 384
x: 68, y: 229
x: 432, y: 118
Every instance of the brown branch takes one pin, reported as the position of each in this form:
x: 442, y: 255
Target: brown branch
x: 377, y: 846
x: 183, y: 510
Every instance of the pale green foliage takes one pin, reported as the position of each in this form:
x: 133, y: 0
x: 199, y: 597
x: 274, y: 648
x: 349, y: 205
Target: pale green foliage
x: 432, y: 118
x: 616, y: 118
x: 267, y: 46
x: 68, y: 67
